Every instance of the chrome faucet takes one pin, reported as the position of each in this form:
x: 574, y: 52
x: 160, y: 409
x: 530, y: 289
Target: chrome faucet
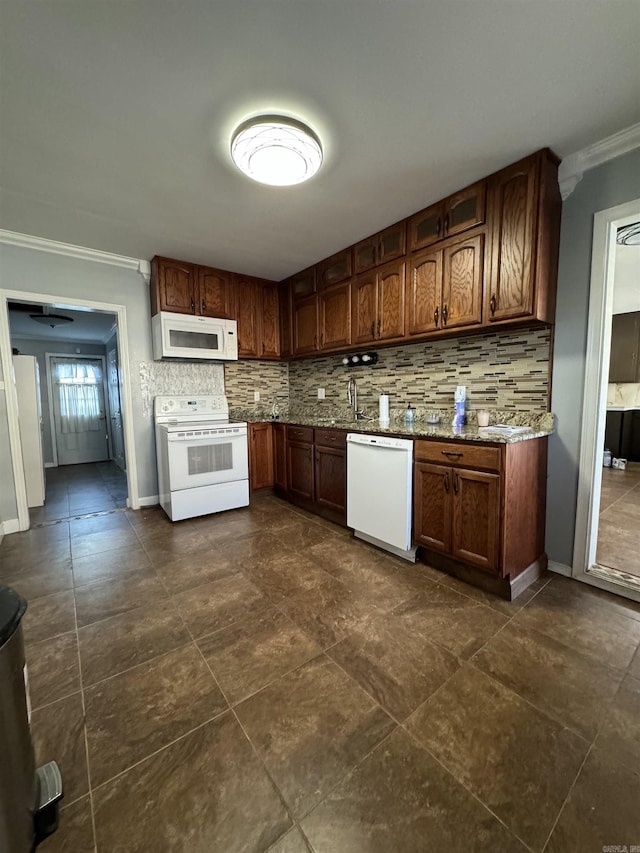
x: 352, y: 396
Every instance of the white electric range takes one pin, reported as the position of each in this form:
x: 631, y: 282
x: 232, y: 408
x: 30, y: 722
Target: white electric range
x: 202, y: 456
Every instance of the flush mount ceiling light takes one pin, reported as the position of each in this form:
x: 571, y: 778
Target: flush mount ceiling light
x: 276, y: 150
x: 52, y: 320
x: 629, y: 235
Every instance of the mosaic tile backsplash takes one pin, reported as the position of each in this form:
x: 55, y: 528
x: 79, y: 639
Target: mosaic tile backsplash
x: 501, y: 371
x: 164, y: 378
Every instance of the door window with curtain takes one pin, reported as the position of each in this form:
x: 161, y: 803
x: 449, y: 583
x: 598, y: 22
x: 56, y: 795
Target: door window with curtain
x: 79, y: 388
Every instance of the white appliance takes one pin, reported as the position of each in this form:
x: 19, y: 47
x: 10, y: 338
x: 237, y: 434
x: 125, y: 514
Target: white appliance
x: 379, y: 491
x: 202, y: 456
x: 27, y: 378
x: 192, y: 338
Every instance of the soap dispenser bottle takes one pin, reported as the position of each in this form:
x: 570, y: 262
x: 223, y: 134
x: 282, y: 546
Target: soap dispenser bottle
x: 409, y: 416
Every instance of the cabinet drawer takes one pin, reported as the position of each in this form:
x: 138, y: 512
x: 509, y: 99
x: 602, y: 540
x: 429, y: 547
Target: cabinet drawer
x: 331, y: 437
x: 296, y: 433
x: 459, y: 454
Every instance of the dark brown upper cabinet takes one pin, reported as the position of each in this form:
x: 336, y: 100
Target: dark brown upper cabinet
x: 335, y: 269
x: 303, y: 283
x: 214, y: 293
x: 382, y: 247
x: 257, y: 313
x: 377, y: 304
x: 453, y: 215
x: 334, y: 305
x: 524, y: 215
x: 173, y: 287
x: 305, y: 325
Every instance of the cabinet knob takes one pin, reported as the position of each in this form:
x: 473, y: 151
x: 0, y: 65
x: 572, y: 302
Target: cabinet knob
x: 446, y: 481
x: 446, y: 223
x: 455, y: 482
x: 193, y: 306
x: 203, y: 307
x: 445, y: 314
x: 373, y: 329
x: 435, y: 317
x: 439, y: 226
x: 492, y: 303
x: 378, y: 328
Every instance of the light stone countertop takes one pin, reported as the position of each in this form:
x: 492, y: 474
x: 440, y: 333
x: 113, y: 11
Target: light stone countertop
x: 542, y: 425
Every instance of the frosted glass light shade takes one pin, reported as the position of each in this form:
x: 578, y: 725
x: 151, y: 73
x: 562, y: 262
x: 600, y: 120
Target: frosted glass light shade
x: 276, y: 150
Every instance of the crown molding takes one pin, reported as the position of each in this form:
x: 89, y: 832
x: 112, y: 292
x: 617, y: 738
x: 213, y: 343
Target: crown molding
x: 26, y: 241
x: 574, y: 166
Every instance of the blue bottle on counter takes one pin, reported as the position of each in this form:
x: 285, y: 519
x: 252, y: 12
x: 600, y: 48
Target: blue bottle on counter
x: 409, y: 416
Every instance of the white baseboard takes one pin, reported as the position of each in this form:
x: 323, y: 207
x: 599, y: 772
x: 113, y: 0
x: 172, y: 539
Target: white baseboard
x: 10, y: 526
x: 150, y: 500
x: 559, y: 568
x: 50, y: 465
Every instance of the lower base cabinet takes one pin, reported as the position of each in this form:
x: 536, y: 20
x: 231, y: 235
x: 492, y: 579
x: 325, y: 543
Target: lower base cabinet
x: 315, y: 474
x: 260, y: 440
x: 479, y: 511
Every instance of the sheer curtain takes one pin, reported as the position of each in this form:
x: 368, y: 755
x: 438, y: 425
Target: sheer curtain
x: 78, y: 389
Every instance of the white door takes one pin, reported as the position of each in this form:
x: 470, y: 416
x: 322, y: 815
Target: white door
x: 78, y: 410
x: 113, y: 387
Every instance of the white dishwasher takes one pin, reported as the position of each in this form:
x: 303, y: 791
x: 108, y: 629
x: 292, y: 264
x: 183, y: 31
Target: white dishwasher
x: 379, y: 491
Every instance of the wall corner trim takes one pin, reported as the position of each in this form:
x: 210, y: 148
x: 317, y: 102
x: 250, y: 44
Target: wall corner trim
x: 559, y: 568
x: 575, y: 165
x: 26, y: 241
x: 149, y: 500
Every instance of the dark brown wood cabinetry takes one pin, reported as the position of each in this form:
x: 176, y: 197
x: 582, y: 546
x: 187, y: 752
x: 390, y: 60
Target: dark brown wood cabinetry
x: 280, y: 457
x: 377, y: 304
x: 445, y: 286
x: 305, y: 325
x: 479, y: 510
x: 258, y: 315
x: 382, y: 247
x: 261, y: 473
x: 524, y: 209
x: 624, y: 361
x: 190, y: 289
x: 334, y: 269
x: 334, y: 305
x: 316, y: 469
x: 453, y: 215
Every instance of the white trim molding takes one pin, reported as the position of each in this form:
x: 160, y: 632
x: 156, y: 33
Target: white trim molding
x: 149, y: 500
x: 11, y: 525
x: 574, y: 166
x: 41, y: 244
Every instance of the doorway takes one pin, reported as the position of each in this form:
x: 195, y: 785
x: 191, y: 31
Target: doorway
x: 112, y: 484
x: 608, y: 511
x: 79, y: 411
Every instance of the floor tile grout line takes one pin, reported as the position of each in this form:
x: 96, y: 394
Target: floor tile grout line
x: 136, y: 665
x: 249, y: 741
x: 568, y: 796
x: 466, y: 788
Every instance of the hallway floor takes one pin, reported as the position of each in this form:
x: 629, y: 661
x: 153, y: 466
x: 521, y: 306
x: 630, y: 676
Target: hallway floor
x: 73, y: 490
x: 618, y: 536
x: 258, y: 680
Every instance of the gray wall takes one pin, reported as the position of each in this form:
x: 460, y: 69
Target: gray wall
x: 8, y: 507
x: 39, y: 348
x: 607, y: 186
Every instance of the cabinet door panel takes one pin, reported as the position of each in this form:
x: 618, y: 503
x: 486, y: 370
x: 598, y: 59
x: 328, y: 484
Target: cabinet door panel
x: 462, y: 283
x: 335, y: 316
x: 432, y: 506
x: 284, y: 295
x: 335, y: 269
x: 176, y: 283
x: 476, y: 518
x: 280, y: 456
x: 305, y: 325
x: 364, y: 307
x: 269, y: 320
x: 260, y: 456
x: 390, y: 322
x: 426, y: 227
x: 303, y: 283
x: 424, y: 291
x: 625, y: 346
x: 465, y: 209
x: 392, y: 243
x: 246, y: 314
x: 365, y: 254
x: 300, y: 470
x: 331, y: 478
x: 512, y: 197
x: 214, y: 293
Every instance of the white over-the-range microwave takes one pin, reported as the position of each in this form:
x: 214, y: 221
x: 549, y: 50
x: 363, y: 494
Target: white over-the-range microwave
x: 193, y: 338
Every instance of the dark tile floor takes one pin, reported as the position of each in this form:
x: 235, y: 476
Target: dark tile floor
x: 618, y: 541
x: 206, y: 687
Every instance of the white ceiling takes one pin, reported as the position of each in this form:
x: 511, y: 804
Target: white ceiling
x: 116, y: 116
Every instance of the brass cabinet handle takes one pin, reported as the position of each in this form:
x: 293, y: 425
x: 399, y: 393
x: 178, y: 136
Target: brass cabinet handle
x: 204, y: 306
x: 492, y: 303
x: 193, y: 305
x: 445, y: 314
x: 435, y: 317
x: 450, y: 453
x: 446, y: 481
x: 455, y: 482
